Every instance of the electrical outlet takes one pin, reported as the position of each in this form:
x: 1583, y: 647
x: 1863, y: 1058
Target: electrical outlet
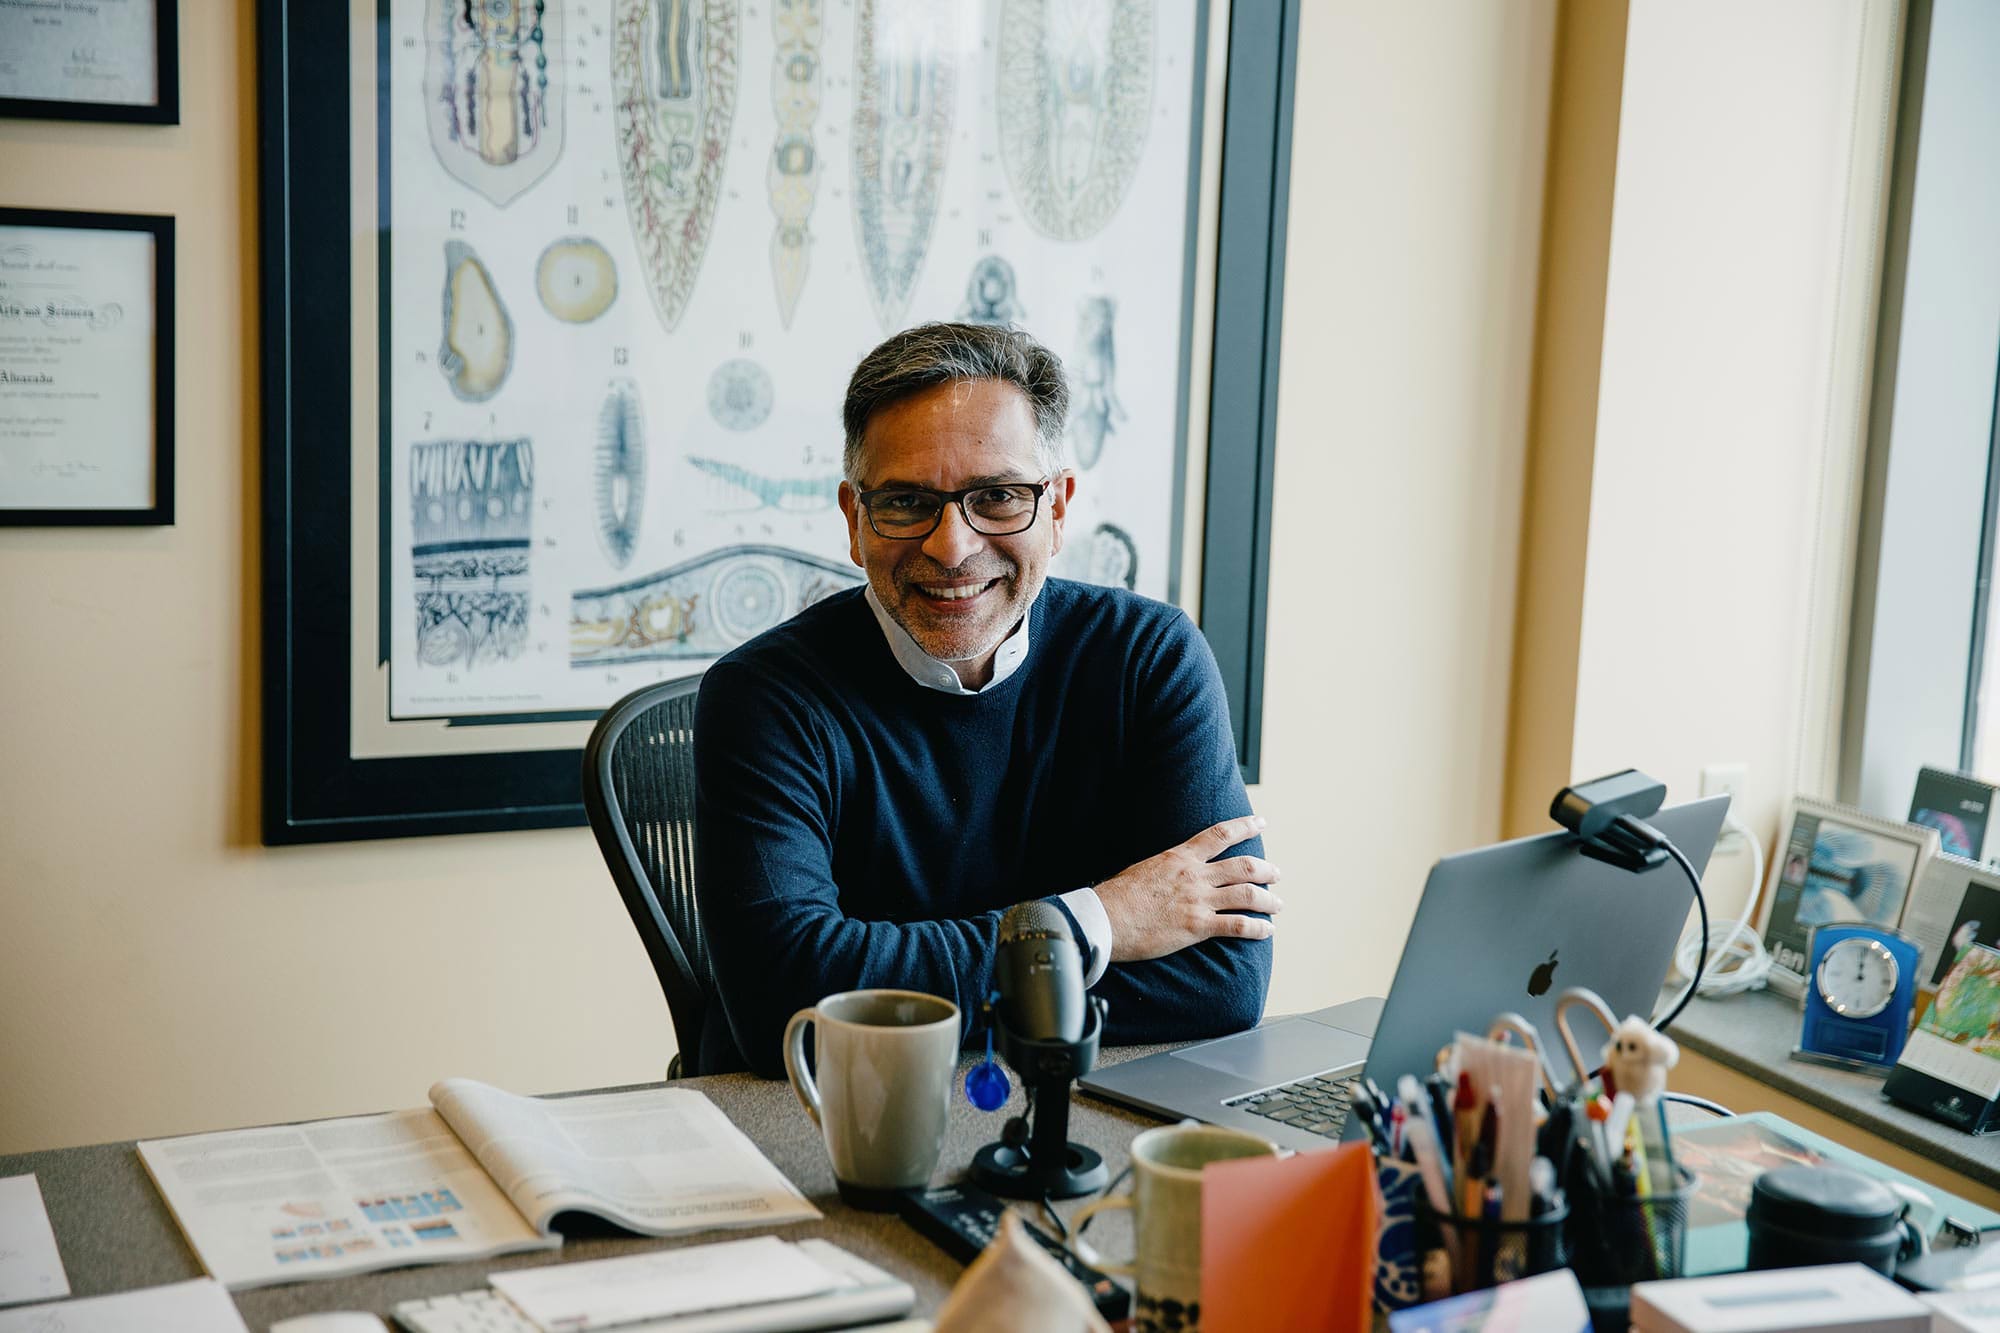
x: 1717, y: 779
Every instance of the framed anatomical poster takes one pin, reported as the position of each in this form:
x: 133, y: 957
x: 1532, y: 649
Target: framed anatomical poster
x: 561, y: 297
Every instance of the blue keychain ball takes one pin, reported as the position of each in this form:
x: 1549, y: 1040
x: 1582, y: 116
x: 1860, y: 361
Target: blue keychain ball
x: 986, y: 1086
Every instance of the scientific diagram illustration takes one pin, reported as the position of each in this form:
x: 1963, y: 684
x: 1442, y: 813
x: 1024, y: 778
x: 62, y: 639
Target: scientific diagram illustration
x: 700, y: 608
x: 1113, y: 557
x: 477, y: 347
x: 673, y: 74
x: 470, y: 505
x: 798, y: 495
x: 905, y: 82
x: 607, y: 234
x: 739, y: 394
x: 621, y: 472
x: 576, y: 280
x: 1075, y: 91
x: 494, y: 111
x: 793, y: 178
x: 989, y: 294
x: 1094, y: 409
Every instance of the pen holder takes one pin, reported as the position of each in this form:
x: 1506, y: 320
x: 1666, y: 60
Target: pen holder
x: 1398, y: 1284
x: 1618, y: 1239
x: 1484, y: 1251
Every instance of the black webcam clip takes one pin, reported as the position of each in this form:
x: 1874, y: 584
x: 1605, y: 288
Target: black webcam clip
x: 1608, y: 816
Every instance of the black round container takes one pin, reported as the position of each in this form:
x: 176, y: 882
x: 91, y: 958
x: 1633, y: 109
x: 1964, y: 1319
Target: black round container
x: 1804, y: 1215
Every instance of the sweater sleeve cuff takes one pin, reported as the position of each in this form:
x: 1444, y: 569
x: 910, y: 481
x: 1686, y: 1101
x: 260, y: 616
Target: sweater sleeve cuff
x: 1092, y: 928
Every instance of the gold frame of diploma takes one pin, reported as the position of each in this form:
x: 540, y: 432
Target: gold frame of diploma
x: 86, y: 368
x: 92, y: 63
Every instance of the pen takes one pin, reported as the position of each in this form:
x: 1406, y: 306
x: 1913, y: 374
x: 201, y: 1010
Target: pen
x: 1416, y: 1104
x: 1622, y: 1107
x: 1464, y: 1127
x: 1440, y: 1111
x: 1364, y: 1107
x: 1437, y: 1187
x: 1667, y: 1147
x: 1489, y: 1235
x: 1542, y: 1180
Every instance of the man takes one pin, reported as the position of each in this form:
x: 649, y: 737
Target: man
x: 881, y: 777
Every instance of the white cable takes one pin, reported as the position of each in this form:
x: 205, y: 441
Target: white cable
x: 1737, y: 961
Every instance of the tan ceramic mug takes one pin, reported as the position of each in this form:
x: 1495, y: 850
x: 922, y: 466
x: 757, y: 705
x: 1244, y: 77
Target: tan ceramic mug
x: 1166, y: 1220
x: 885, y: 1062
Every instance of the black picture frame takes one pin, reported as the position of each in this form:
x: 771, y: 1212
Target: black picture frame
x: 314, y: 789
x: 161, y: 228
x: 164, y: 110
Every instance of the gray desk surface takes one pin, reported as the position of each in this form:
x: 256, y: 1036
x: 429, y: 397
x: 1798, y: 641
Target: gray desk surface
x: 115, y: 1234
x: 1754, y: 1034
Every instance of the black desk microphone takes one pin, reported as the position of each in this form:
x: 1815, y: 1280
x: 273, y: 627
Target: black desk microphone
x: 1038, y: 974
x: 1048, y: 1031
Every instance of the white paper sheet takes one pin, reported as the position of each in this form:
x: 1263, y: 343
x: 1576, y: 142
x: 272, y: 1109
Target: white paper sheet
x: 30, y: 1267
x: 201, y: 1306
x: 604, y: 1293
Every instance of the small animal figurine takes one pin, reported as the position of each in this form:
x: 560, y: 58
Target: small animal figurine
x: 1637, y: 1060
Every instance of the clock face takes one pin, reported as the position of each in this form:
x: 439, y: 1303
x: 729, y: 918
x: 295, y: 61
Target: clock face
x: 1857, y: 978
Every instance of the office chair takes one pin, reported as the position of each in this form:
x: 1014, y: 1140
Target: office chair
x: 638, y: 789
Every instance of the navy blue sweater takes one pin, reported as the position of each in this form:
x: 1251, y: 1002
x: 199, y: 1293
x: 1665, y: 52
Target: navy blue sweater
x: 854, y: 828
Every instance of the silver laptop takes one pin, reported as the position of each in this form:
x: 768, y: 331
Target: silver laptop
x: 1501, y: 928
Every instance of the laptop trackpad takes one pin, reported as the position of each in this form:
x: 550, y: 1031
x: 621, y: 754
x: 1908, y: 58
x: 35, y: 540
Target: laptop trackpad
x: 1279, y: 1052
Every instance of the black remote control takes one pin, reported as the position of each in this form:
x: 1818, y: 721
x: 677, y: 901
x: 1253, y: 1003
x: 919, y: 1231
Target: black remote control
x: 961, y: 1219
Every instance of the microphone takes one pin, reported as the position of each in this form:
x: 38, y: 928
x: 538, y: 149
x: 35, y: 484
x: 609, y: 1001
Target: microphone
x: 1038, y: 974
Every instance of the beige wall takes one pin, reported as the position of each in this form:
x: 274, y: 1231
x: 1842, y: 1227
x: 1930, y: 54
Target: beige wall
x: 161, y: 972
x: 1410, y: 285
x: 1738, y: 329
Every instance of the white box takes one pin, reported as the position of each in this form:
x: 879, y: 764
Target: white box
x: 1838, y: 1298
x: 1964, y: 1311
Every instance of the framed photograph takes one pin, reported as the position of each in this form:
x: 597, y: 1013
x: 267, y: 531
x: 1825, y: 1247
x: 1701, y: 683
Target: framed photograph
x: 116, y: 60
x: 1955, y: 905
x: 86, y: 368
x: 1957, y: 806
x: 560, y: 301
x: 1833, y: 865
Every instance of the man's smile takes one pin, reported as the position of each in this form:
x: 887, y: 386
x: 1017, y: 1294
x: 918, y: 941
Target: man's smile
x: 957, y: 595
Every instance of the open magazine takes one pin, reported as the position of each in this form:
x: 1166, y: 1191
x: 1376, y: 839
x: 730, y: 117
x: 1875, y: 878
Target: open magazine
x: 479, y: 1173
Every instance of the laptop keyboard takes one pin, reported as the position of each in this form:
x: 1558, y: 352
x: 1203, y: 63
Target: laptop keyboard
x: 1317, y: 1105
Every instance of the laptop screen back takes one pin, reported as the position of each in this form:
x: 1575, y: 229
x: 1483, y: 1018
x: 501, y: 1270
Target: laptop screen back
x: 1510, y: 927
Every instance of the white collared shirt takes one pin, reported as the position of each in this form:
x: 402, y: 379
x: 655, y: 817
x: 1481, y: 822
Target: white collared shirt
x: 932, y: 674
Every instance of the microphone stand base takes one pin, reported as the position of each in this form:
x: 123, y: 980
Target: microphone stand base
x: 1012, y: 1174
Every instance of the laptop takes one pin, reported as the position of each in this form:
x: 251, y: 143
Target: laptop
x: 1501, y: 928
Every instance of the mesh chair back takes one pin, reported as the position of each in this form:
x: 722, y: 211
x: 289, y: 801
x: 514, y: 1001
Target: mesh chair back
x: 638, y: 789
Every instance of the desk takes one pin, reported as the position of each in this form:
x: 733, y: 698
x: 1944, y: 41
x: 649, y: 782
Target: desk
x: 1747, y: 1041
x: 115, y: 1234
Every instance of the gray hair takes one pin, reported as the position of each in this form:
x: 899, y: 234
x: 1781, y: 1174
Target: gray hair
x: 933, y: 354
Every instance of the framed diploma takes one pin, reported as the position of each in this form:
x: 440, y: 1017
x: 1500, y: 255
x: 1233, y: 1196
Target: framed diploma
x: 86, y: 368
x: 91, y: 60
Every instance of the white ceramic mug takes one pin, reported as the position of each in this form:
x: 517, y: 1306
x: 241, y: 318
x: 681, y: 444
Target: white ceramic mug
x: 1166, y: 1220
x: 885, y: 1062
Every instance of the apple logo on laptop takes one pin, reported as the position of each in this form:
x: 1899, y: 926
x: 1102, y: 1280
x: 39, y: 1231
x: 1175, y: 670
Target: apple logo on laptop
x: 1544, y: 976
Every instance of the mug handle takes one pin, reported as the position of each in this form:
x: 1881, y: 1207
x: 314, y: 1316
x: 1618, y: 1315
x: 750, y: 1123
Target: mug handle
x: 1083, y: 1247
x: 795, y: 1062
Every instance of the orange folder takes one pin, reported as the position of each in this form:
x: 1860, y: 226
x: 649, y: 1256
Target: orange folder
x: 1289, y: 1242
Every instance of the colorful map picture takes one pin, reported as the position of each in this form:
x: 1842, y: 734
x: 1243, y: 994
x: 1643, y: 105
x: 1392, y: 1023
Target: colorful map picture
x: 1967, y: 1009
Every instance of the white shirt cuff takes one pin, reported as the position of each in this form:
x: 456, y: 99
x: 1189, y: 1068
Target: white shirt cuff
x: 1089, y: 913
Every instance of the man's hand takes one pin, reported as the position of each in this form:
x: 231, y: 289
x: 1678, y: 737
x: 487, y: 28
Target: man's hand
x: 1169, y: 901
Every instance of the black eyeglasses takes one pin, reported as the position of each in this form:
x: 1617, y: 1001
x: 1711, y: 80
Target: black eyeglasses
x: 903, y: 513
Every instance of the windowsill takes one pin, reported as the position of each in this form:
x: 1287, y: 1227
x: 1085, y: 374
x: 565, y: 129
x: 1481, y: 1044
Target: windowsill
x: 1754, y: 1034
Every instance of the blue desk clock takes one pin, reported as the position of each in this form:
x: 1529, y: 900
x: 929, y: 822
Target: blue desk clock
x: 1861, y: 991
